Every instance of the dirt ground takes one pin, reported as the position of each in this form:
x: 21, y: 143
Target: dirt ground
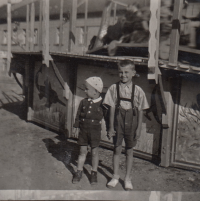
x: 35, y: 158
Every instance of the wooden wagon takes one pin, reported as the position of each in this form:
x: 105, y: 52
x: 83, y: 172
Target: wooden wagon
x: 53, y: 85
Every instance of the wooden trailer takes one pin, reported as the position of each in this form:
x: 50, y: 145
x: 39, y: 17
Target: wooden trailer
x: 53, y: 85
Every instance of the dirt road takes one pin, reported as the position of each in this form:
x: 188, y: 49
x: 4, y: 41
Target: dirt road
x: 35, y: 158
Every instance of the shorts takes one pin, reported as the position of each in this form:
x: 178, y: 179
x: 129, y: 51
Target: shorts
x: 90, y: 133
x: 125, y: 125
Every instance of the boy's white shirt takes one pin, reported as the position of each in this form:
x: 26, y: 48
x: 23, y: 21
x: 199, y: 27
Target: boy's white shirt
x: 125, y: 91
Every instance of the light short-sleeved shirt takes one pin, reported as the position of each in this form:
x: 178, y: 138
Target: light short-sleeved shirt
x: 125, y: 91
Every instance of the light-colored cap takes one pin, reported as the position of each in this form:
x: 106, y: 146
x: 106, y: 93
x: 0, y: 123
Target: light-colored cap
x: 95, y: 82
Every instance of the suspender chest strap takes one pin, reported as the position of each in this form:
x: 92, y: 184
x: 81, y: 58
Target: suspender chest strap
x: 125, y: 99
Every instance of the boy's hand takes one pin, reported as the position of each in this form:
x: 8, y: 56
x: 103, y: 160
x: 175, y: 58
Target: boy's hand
x: 111, y: 132
x: 75, y: 132
x: 138, y: 134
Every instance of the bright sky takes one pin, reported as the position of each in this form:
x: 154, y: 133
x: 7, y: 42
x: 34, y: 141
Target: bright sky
x: 4, y: 2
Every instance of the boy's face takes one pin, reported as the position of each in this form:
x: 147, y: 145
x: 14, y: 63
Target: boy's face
x: 126, y: 73
x: 90, y: 91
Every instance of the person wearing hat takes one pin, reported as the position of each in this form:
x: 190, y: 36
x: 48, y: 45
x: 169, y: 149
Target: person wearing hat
x: 87, y: 126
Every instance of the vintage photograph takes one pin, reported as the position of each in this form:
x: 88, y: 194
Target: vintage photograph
x: 100, y: 100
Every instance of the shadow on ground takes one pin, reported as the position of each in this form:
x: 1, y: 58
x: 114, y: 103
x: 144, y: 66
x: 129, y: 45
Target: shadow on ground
x: 17, y: 108
x: 67, y: 152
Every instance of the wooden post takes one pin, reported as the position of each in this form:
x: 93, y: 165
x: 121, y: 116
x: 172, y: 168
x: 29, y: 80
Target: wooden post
x: 115, y: 12
x: 32, y: 26
x: 85, y: 25
x: 27, y: 26
x: 175, y: 34
x: 61, y: 26
x: 167, y: 122
x: 154, y: 29
x: 105, y: 22
x: 45, y: 32
x: 40, y: 26
x: 72, y: 30
x: 8, y: 35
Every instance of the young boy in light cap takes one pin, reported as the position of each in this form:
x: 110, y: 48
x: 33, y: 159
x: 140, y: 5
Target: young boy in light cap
x: 127, y: 102
x: 88, y: 120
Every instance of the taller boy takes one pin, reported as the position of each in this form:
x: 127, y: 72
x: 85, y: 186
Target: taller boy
x: 127, y: 102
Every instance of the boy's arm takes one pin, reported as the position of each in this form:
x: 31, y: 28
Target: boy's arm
x: 143, y: 106
x: 109, y: 103
x: 111, y: 131
x: 139, y: 128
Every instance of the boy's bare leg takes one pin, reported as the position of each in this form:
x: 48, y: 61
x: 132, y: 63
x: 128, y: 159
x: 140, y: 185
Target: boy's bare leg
x: 116, y: 159
x: 82, y: 157
x: 129, y: 162
x: 95, y: 158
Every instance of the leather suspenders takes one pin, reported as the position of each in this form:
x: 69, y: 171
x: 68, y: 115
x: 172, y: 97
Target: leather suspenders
x: 125, y: 99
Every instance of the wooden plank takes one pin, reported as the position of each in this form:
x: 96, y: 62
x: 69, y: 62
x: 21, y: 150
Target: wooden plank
x: 8, y: 35
x: 23, y: 3
x: 162, y: 92
x: 154, y: 29
x: 71, y: 101
x: 27, y: 26
x: 45, y: 32
x: 72, y: 30
x: 85, y: 26
x: 183, y: 68
x: 61, y: 26
x: 168, y: 119
x: 132, y: 44
x: 40, y: 27
x: 115, y: 12
x: 58, y: 75
x: 188, y: 49
x: 120, y: 3
x: 157, y: 70
x: 80, y: 3
x: 175, y: 33
x: 32, y: 26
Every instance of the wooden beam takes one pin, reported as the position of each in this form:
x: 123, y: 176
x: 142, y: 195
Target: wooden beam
x: 72, y: 30
x: 32, y: 26
x: 167, y: 122
x: 85, y: 25
x: 45, y: 32
x: 27, y: 26
x: 115, y: 12
x: 61, y: 26
x: 80, y: 3
x: 8, y: 35
x: 40, y: 26
x: 120, y: 3
x: 175, y: 33
x: 154, y: 29
x: 157, y: 70
x: 105, y: 22
x: 23, y: 3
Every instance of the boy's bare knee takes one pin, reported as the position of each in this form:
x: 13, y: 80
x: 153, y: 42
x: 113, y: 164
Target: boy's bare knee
x: 129, y: 152
x: 95, y: 151
x: 83, y: 150
x: 118, y: 150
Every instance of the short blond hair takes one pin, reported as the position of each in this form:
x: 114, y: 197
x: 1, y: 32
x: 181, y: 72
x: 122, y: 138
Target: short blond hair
x: 126, y: 62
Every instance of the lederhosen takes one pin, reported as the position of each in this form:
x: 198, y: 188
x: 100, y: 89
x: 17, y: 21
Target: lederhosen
x: 126, y: 121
